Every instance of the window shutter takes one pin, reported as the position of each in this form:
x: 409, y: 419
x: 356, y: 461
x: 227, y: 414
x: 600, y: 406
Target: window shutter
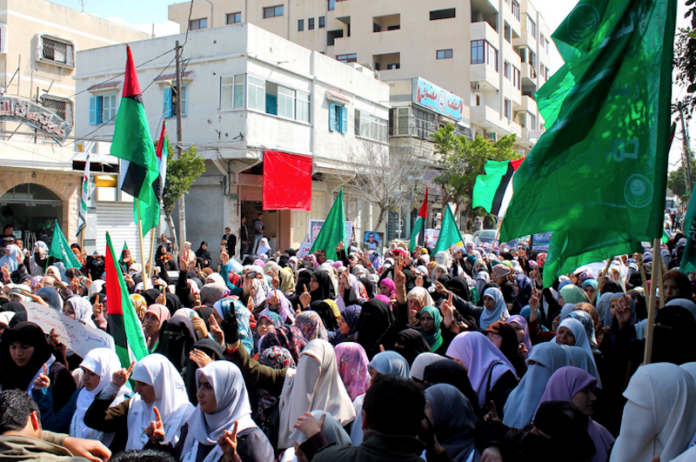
x: 167, y: 102
x: 184, y: 100
x: 93, y: 120
x: 332, y: 117
x: 344, y: 119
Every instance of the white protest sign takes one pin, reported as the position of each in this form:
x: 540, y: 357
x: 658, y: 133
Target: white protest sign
x: 430, y: 237
x: 315, y: 227
x: 78, y: 337
x: 305, y: 247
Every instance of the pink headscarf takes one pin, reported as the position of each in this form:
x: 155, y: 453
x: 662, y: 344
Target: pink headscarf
x: 384, y: 298
x: 389, y: 284
x: 565, y: 383
x: 162, y: 313
x: 353, y: 367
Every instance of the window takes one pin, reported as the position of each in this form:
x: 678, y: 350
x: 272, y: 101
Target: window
x: 541, y: 40
x: 349, y: 58
x: 57, y: 52
x: 322, y: 22
x: 508, y: 109
x: 338, y: 118
x: 332, y: 5
x: 508, y: 32
x: 302, y: 107
x: 531, y: 27
x: 273, y: 11
x: 256, y: 94
x: 532, y: 59
x: 300, y: 25
x: 310, y: 24
x: 102, y: 109
x: 234, y: 18
x: 61, y: 107
x: 232, y: 92
x: 542, y: 71
x: 393, y: 66
x: 286, y: 102
x: 442, y: 14
x: 516, y: 78
x: 483, y: 52
x: 523, y: 54
x: 507, y: 70
x: 173, y: 101
x: 371, y: 127
x: 547, y: 46
x: 197, y: 24
x: 516, y: 9
x: 533, y: 121
x: 444, y: 54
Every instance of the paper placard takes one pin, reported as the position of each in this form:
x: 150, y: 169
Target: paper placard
x: 78, y: 337
x: 541, y: 241
x: 430, y: 237
x: 315, y: 227
x: 305, y: 247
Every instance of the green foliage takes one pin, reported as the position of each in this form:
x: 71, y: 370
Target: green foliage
x: 462, y: 161
x: 685, y: 61
x: 676, y: 182
x: 181, y: 173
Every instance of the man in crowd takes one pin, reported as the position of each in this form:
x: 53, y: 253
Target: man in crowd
x: 258, y: 231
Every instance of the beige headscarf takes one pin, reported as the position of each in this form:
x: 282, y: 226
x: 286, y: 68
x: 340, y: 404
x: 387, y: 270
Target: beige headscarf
x: 187, y: 254
x: 315, y: 385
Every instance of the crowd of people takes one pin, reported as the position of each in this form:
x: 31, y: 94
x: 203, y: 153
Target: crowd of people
x: 379, y: 356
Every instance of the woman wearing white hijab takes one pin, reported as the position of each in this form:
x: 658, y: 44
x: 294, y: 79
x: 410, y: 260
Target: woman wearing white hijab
x: 80, y: 309
x: 98, y: 367
x: 571, y: 332
x: 264, y: 247
x: 223, y: 405
x: 158, y: 385
x: 659, y: 417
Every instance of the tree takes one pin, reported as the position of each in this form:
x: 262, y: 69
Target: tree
x: 384, y: 177
x: 461, y: 161
x: 181, y: 173
x: 685, y: 61
x: 676, y: 181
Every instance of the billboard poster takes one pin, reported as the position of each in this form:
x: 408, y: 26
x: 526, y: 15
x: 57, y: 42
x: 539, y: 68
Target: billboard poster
x: 432, y: 97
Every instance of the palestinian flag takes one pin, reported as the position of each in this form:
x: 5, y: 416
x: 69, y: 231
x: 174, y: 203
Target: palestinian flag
x: 132, y: 143
x: 493, y: 190
x: 124, y: 324
x: 418, y: 231
x: 162, y: 154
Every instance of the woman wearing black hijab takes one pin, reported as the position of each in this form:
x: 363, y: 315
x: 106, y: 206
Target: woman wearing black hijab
x: 211, y: 348
x: 320, y: 286
x: 453, y: 373
x: 409, y: 344
x: 326, y: 314
x: 375, y: 319
x: 176, y: 340
x: 24, y: 352
x: 203, y: 255
x: 369, y: 287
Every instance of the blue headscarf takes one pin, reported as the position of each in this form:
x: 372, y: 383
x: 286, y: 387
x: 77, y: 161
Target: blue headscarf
x: 497, y: 313
x: 228, y: 306
x: 391, y: 363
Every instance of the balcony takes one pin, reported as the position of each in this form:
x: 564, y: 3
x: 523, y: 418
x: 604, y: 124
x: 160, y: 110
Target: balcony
x: 489, y: 119
x: 529, y: 75
x: 387, y: 61
x: 483, y: 31
x: 528, y: 105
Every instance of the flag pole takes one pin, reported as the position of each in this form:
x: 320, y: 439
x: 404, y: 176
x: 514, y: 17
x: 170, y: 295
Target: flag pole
x: 656, y: 279
x: 152, y: 246
x: 140, y: 235
x: 643, y: 277
x: 497, y: 236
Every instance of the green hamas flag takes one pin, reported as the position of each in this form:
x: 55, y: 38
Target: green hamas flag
x: 601, y: 166
x: 333, y: 230
x: 60, y: 249
x: 570, y: 250
x: 449, y: 233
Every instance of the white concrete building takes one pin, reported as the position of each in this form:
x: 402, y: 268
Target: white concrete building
x: 245, y: 91
x: 41, y: 174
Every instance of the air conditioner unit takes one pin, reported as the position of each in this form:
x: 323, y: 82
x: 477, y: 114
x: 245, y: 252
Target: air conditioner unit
x: 475, y: 86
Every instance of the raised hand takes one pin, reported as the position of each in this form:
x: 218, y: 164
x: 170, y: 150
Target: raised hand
x: 228, y: 443
x: 155, y: 431
x: 275, y: 281
x: 250, y: 302
x: 200, y: 327
x: 183, y: 264
x: 161, y: 298
x: 492, y: 416
x: 201, y: 359
x: 59, y: 348
x: 230, y: 328
x: 399, y: 276
x: 623, y: 312
x: 305, y: 298
x: 309, y: 425
x: 42, y: 381
x: 225, y: 258
x: 121, y: 377
x: 447, y: 308
x: 216, y: 331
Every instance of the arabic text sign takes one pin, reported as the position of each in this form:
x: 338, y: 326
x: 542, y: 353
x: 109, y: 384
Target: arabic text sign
x: 315, y: 227
x: 305, y: 247
x: 18, y: 109
x: 436, y: 99
x: 73, y: 334
x: 430, y: 237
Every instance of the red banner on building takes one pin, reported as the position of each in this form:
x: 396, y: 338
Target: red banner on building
x: 287, y: 181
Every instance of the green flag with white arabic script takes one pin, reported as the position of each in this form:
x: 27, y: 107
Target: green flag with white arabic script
x: 60, y: 249
x: 601, y: 166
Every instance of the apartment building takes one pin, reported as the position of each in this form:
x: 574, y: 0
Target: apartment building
x: 41, y: 176
x: 492, y: 53
x: 246, y: 93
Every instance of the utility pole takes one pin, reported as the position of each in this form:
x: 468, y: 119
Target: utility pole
x: 686, y: 155
x: 179, y: 139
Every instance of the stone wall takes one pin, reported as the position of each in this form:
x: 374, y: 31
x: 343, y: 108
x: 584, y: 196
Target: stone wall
x: 64, y: 185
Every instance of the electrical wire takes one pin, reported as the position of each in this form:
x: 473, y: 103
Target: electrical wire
x: 188, y: 24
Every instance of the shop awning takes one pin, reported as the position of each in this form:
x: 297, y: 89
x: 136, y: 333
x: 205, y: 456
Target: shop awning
x: 287, y: 181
